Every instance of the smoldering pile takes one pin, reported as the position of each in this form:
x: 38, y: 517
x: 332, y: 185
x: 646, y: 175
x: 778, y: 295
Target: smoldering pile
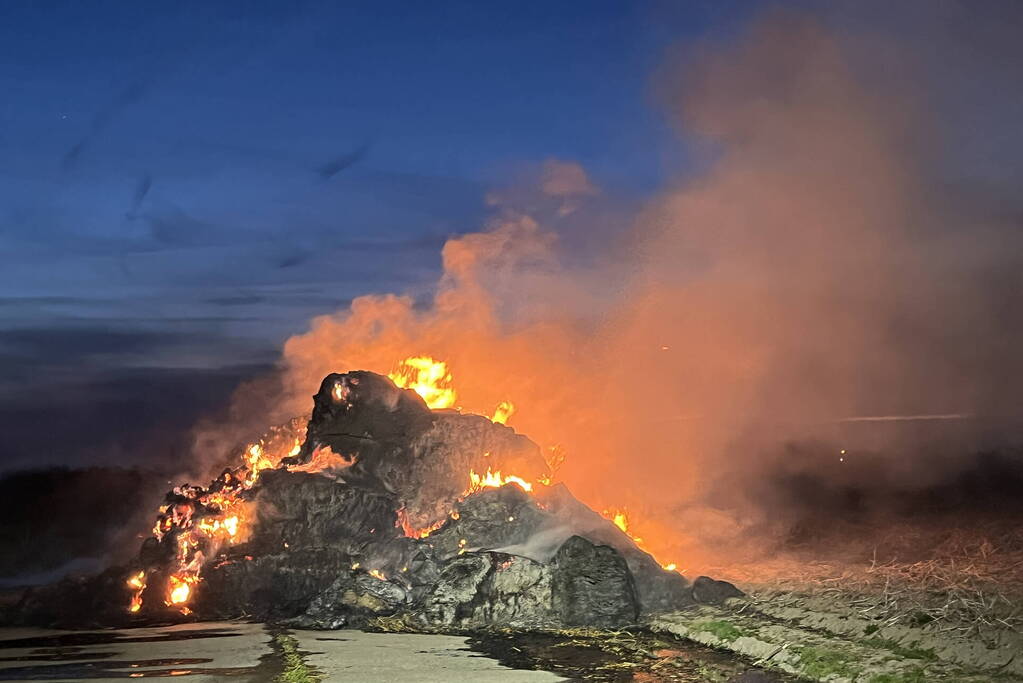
x: 386, y: 509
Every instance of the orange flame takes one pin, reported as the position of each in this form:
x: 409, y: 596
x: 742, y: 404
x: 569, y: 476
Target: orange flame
x: 493, y: 479
x: 137, y: 583
x: 180, y: 589
x: 504, y: 410
x: 415, y: 532
x: 205, y: 519
x: 427, y: 377
x: 620, y: 518
x: 323, y: 460
x: 223, y: 518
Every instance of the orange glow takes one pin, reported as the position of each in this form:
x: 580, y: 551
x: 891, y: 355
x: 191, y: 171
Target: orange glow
x: 137, y: 584
x: 202, y: 521
x: 223, y: 519
x: 322, y: 460
x: 414, y: 532
x: 493, y: 479
x: 583, y: 364
x: 504, y: 410
x: 427, y: 377
x: 620, y: 518
x: 377, y: 574
x: 180, y: 589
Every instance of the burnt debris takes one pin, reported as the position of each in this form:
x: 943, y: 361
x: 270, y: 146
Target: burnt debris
x: 386, y: 509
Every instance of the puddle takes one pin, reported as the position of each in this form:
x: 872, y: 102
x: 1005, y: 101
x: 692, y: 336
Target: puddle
x: 65, y: 640
x: 64, y: 657
x: 58, y: 656
x: 73, y: 656
x: 120, y: 668
x: 621, y: 657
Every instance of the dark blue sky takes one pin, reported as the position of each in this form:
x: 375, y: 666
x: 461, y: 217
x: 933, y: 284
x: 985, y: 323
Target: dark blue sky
x: 167, y: 210
x: 184, y: 185
x: 160, y: 160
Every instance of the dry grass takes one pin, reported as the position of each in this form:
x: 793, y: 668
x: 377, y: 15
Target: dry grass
x: 970, y: 586
x: 402, y: 623
x: 966, y: 582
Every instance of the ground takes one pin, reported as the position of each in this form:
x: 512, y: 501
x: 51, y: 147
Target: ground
x: 258, y: 653
x: 945, y: 604
x: 247, y: 652
x: 952, y: 612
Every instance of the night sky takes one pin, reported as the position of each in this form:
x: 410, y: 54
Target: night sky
x: 184, y: 185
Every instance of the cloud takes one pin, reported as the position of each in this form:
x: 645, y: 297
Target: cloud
x: 565, y: 179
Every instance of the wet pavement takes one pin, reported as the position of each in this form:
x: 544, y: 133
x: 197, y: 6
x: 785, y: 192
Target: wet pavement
x: 386, y: 657
x: 245, y: 652
x: 257, y: 653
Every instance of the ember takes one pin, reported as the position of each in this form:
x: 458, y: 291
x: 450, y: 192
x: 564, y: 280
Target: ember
x: 402, y: 474
x: 381, y: 505
x: 198, y: 521
x: 198, y: 528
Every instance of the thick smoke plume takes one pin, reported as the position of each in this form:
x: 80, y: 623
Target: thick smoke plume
x: 812, y: 276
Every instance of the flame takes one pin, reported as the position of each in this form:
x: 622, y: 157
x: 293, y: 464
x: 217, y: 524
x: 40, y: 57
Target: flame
x: 504, y: 410
x: 199, y: 521
x: 414, y: 532
x: 493, y: 479
x: 554, y: 456
x: 180, y: 589
x: 620, y: 518
x: 323, y: 460
x: 427, y: 377
x: 477, y: 483
x: 137, y: 583
x: 377, y: 574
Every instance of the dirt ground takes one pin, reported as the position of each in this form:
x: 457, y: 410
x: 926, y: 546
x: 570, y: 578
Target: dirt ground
x: 910, y: 605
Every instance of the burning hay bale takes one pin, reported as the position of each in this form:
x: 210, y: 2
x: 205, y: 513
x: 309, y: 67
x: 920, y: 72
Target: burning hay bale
x: 383, y: 508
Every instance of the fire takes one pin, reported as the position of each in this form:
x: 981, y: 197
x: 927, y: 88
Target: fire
x: 323, y: 460
x: 429, y: 378
x: 504, y: 410
x: 493, y: 479
x: 477, y: 483
x: 620, y: 518
x: 200, y: 521
x: 227, y: 526
x: 137, y: 583
x: 416, y: 532
x: 377, y: 574
x: 180, y: 589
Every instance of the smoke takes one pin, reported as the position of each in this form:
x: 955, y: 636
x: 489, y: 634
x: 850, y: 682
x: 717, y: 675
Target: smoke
x: 814, y: 273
